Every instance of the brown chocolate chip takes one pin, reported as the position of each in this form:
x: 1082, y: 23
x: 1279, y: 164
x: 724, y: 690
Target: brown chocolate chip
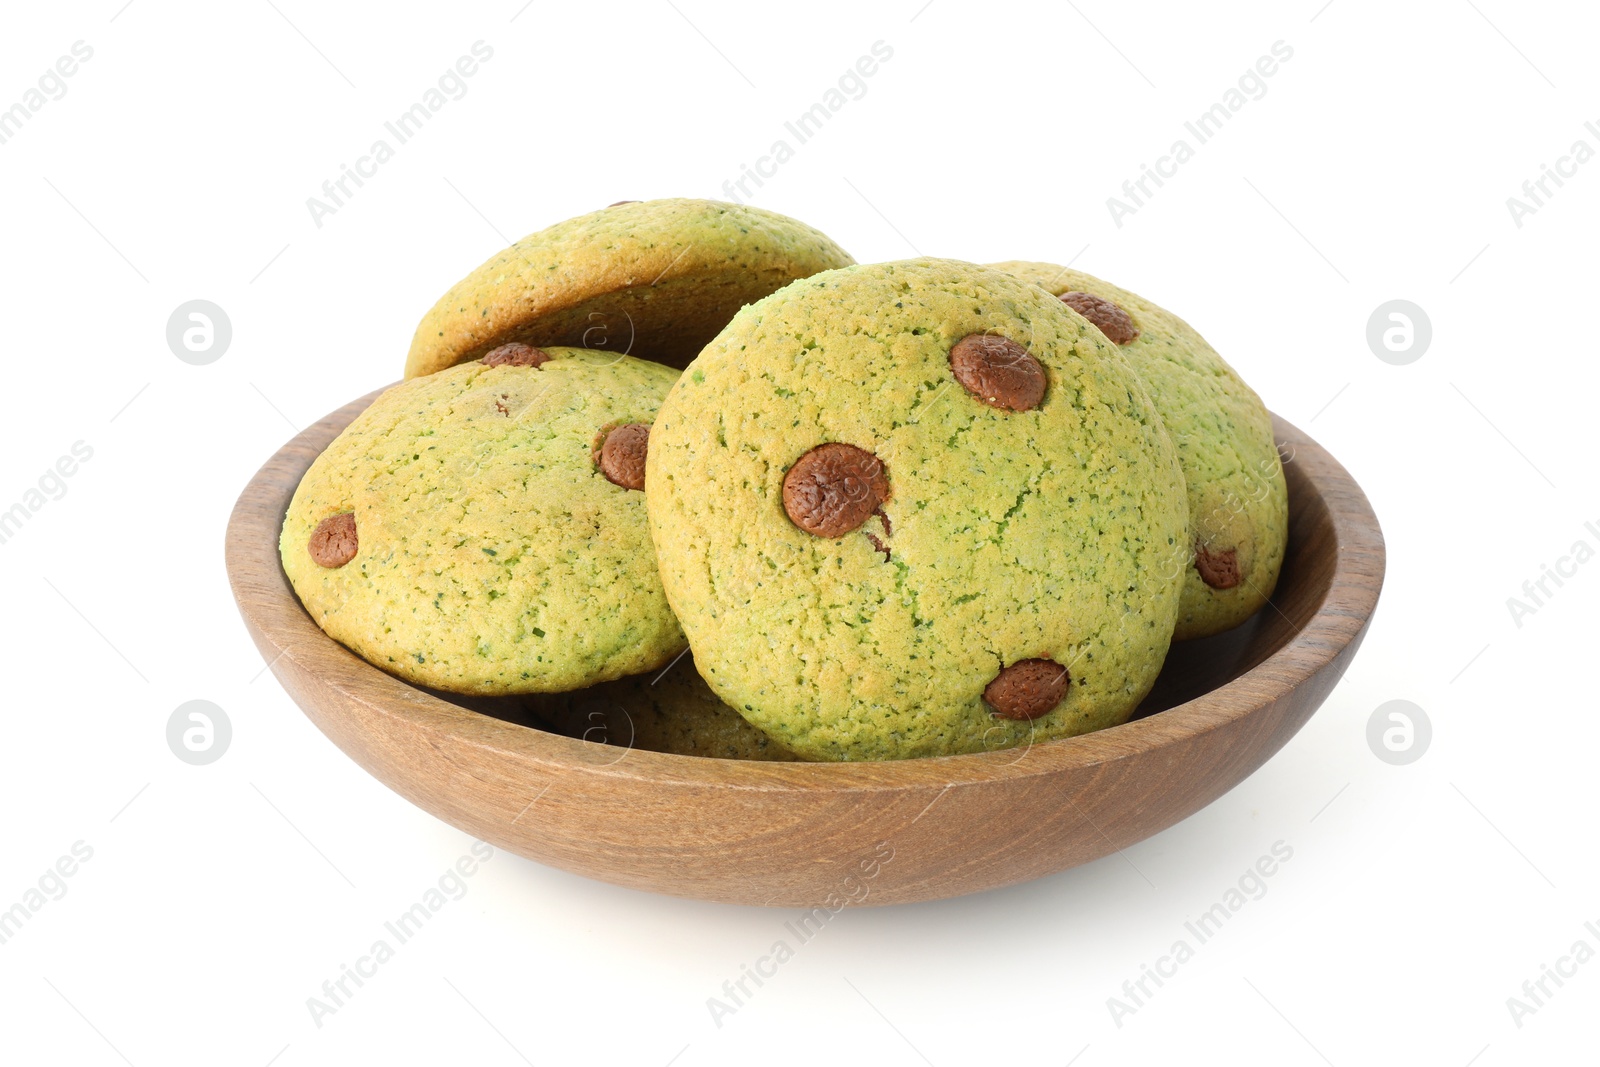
x: 622, y: 455
x: 333, y: 543
x: 516, y: 354
x: 834, y: 488
x: 1115, y: 323
x: 619, y: 203
x: 1027, y: 689
x: 1218, y: 567
x: 998, y: 371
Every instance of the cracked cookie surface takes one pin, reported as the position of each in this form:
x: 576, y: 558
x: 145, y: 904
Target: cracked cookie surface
x: 1238, y: 503
x: 1004, y: 536
x: 488, y: 552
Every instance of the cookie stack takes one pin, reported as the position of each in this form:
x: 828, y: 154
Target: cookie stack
x: 896, y: 510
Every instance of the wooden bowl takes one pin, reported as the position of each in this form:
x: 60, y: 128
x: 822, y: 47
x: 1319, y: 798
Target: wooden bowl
x: 804, y: 834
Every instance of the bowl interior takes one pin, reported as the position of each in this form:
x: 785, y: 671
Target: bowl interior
x: 1194, y: 668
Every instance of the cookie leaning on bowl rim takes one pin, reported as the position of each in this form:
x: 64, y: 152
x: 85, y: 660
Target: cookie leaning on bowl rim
x: 1238, y: 502
x: 917, y: 509
x: 652, y: 278
x: 482, y: 530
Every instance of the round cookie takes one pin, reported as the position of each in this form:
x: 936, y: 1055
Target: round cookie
x: 655, y: 278
x: 885, y: 540
x: 672, y: 711
x: 1238, y: 503
x: 465, y: 532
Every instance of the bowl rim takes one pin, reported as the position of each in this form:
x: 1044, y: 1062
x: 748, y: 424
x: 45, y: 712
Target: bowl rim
x: 291, y: 641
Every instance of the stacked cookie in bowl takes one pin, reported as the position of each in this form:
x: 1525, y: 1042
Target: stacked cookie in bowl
x: 896, y: 510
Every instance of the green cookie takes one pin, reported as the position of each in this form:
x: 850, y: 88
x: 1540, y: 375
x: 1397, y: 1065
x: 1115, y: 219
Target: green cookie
x: 975, y: 559
x: 672, y: 711
x: 1238, y: 504
x: 656, y: 278
x: 472, y: 531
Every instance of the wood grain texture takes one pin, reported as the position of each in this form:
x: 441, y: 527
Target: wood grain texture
x: 804, y: 834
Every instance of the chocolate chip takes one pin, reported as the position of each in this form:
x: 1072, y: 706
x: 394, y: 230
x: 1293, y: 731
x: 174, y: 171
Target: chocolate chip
x: 1115, y: 323
x: 622, y: 455
x: 333, y: 543
x: 516, y: 354
x: 834, y: 488
x: 1218, y: 567
x: 619, y: 203
x: 998, y: 371
x: 1027, y: 689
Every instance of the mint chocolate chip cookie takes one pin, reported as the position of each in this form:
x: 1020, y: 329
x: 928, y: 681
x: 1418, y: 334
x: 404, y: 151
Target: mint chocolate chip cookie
x: 669, y: 711
x: 654, y: 278
x: 914, y: 509
x: 1238, y: 504
x: 482, y: 530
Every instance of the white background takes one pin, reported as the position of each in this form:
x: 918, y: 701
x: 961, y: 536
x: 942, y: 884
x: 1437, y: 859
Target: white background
x: 1376, y: 166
